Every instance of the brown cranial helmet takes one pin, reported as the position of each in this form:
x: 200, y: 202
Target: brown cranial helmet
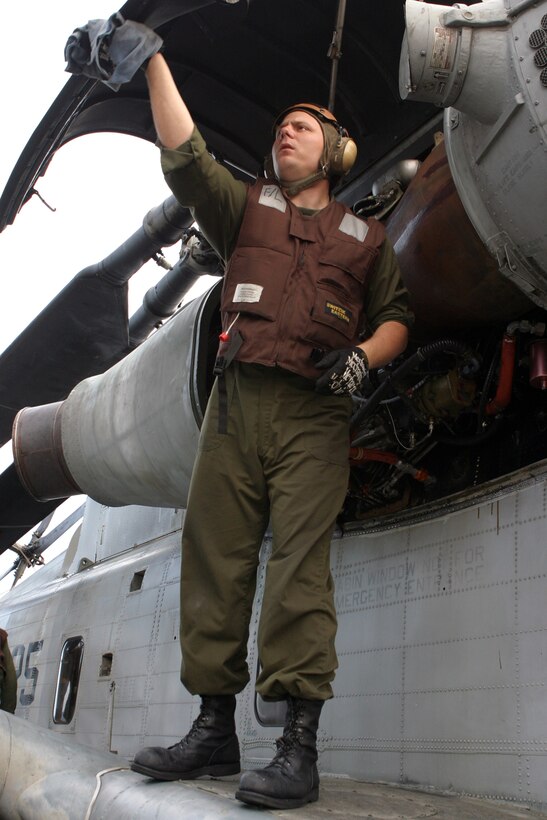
x: 339, y: 152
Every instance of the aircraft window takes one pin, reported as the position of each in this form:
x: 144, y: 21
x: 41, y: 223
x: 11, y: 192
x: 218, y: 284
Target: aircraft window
x: 136, y: 581
x: 106, y: 665
x: 68, y: 679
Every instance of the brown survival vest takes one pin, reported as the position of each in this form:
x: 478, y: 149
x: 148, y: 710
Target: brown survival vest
x: 298, y: 283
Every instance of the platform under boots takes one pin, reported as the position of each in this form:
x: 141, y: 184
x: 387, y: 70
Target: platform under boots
x: 210, y: 747
x: 291, y: 779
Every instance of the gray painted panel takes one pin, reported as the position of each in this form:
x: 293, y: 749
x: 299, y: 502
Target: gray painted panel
x: 469, y: 613
x: 375, y: 717
x: 462, y: 719
x: 166, y: 688
x: 476, y: 774
x: 167, y: 659
x: 130, y: 689
x: 109, y: 531
x: 531, y: 603
x: 172, y: 722
x: 533, y: 777
x: 377, y: 764
x: 363, y: 629
x: 533, y: 658
x: 460, y: 664
x: 135, y: 633
x: 533, y: 717
x: 532, y: 503
x: 377, y: 676
x: 531, y: 547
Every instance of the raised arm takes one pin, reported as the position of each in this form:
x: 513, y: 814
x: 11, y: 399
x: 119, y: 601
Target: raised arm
x: 173, y: 121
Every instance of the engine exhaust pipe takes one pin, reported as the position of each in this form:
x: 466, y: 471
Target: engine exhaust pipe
x: 46, y: 775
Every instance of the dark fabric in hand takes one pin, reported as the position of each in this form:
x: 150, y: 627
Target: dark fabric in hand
x: 110, y: 50
x: 345, y: 371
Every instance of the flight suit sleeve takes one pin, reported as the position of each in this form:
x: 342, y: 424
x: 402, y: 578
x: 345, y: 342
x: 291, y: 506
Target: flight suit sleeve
x: 387, y: 298
x: 9, y: 682
x: 216, y: 199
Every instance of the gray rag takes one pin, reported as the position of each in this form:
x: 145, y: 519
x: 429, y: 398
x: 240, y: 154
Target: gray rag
x: 110, y: 50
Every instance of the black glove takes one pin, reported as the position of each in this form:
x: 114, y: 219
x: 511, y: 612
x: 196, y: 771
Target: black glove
x: 345, y: 371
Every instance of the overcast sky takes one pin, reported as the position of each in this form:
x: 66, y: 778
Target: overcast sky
x: 101, y: 186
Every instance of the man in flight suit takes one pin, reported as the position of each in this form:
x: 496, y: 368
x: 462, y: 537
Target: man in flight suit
x: 312, y: 298
x: 8, y: 679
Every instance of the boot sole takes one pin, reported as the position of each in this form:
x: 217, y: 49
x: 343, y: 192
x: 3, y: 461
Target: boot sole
x: 218, y: 770
x: 257, y: 799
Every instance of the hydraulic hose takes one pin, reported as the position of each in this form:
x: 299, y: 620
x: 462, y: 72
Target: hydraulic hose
x: 358, y: 455
x: 505, y: 383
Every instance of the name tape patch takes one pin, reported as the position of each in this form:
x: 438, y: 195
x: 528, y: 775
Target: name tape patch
x: 338, y: 312
x: 272, y: 197
x: 247, y: 293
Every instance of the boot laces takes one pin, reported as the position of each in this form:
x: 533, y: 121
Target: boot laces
x: 282, y: 757
x: 289, y: 741
x: 198, y: 724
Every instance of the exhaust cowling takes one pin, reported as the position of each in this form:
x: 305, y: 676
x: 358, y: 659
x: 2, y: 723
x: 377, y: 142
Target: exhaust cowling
x: 127, y: 436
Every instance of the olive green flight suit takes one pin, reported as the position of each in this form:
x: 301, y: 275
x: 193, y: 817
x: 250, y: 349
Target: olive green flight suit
x: 285, y: 453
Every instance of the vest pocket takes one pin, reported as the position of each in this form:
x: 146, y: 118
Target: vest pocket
x: 333, y: 318
x: 255, y: 282
x: 346, y: 263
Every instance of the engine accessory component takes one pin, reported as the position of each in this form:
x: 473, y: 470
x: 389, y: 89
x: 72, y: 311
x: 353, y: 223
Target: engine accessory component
x: 446, y: 396
x: 397, y: 377
x: 479, y: 59
x: 505, y: 382
x: 358, y: 455
x: 538, y: 364
x: 450, y: 282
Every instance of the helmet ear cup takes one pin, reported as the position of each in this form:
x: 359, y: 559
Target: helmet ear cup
x: 269, y: 171
x: 343, y: 156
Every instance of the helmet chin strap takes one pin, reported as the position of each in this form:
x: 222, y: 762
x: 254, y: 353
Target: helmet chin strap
x: 294, y: 188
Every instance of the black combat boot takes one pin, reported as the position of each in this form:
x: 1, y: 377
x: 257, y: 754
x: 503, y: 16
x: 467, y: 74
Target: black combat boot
x: 291, y: 779
x: 210, y: 747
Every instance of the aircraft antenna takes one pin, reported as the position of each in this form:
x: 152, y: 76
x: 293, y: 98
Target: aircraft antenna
x: 335, y: 51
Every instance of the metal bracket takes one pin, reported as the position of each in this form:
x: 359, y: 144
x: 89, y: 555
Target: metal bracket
x: 454, y: 119
x: 477, y: 17
x: 511, y: 109
x: 518, y: 8
x: 85, y: 563
x: 514, y: 266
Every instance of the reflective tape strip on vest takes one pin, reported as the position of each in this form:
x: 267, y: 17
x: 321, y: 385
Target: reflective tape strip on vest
x: 297, y: 282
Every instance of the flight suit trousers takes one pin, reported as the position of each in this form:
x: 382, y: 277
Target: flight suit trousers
x: 284, y: 460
